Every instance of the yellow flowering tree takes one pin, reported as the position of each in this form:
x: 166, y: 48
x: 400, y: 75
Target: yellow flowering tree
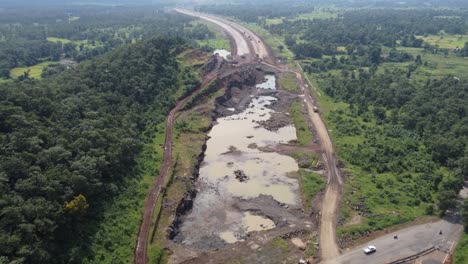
x: 77, y: 206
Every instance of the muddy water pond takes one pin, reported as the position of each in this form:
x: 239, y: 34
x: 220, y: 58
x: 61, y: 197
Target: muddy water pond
x: 235, y: 169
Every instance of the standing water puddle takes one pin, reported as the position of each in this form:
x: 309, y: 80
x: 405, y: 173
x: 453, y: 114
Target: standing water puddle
x: 223, y: 53
x: 270, y: 83
x: 233, y: 169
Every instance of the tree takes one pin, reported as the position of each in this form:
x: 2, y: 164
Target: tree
x: 418, y: 60
x: 374, y: 54
x: 465, y: 214
x: 447, y: 200
x: 281, y: 48
x: 289, y: 41
x: 77, y: 206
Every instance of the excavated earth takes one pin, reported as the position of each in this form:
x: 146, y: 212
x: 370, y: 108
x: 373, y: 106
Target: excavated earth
x: 245, y: 191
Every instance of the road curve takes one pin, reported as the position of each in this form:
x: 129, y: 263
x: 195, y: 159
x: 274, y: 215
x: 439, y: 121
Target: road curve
x: 242, y: 46
x: 246, y: 41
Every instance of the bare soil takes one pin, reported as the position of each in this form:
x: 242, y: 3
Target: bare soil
x: 291, y: 222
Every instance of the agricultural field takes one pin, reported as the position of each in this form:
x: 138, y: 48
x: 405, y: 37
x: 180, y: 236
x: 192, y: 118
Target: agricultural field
x: 34, y: 71
x: 319, y: 13
x: 86, y: 43
x: 434, y: 65
x: 445, y: 41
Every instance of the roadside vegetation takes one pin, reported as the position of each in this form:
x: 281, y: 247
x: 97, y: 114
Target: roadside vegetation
x: 392, y: 90
x: 304, y: 135
x: 288, y: 82
x: 207, y: 36
x: 312, y: 183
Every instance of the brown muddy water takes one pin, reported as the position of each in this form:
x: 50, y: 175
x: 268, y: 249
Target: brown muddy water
x: 235, y: 169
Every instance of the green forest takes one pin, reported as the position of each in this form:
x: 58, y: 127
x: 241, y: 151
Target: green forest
x: 69, y: 142
x: 60, y: 34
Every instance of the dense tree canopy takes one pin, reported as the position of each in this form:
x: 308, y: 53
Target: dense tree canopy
x: 82, y: 32
x: 368, y: 27
x: 69, y: 140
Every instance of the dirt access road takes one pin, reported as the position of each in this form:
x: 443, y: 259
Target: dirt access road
x: 328, y: 245
x: 140, y: 255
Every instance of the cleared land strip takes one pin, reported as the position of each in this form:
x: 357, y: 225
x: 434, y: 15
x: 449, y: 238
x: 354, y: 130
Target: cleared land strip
x: 140, y: 256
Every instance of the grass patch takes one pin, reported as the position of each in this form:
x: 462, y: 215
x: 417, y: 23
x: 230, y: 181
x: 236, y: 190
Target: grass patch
x: 310, y: 250
x: 273, y: 21
x: 220, y: 41
x: 445, y: 41
x: 34, y: 71
x: 288, y: 82
x: 57, y: 40
x: 87, y: 44
x: 312, y: 183
x: 434, y: 65
x: 461, y: 252
x: 306, y: 160
x: 304, y: 135
x: 320, y: 13
x: 279, y: 243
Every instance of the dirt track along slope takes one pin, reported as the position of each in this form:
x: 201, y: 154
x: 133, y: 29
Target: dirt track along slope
x: 140, y: 255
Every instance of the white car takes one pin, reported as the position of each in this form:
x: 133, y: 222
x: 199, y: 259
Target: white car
x: 370, y: 249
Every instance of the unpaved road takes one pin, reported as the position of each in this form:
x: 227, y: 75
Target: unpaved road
x: 140, y: 255
x: 328, y: 245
